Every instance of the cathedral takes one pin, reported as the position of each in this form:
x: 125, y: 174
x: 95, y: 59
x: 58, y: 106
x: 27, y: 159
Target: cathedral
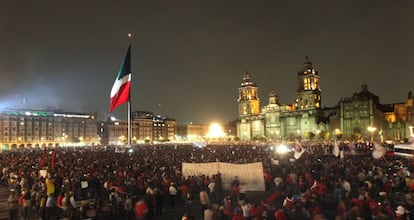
x: 360, y: 117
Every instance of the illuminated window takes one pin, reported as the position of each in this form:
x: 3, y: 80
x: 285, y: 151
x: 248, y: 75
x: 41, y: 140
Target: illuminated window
x: 306, y: 84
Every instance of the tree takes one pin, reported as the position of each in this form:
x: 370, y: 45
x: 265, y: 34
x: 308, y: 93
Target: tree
x: 309, y: 135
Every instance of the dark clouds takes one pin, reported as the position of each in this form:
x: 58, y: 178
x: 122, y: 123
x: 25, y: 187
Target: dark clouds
x: 189, y: 56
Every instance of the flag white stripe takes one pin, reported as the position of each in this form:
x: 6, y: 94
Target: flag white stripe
x: 118, y: 83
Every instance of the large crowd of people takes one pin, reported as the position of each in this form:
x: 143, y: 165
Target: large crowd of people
x: 144, y: 181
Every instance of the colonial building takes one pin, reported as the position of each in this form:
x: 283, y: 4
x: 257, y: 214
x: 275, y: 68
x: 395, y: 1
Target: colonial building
x: 116, y: 132
x: 164, y: 128
x: 145, y: 127
x: 281, y: 121
x: 251, y: 120
x: 34, y: 128
x: 362, y: 115
x: 154, y: 127
x: 359, y: 117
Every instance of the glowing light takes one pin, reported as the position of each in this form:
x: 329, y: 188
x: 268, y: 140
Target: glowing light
x: 337, y: 131
x: 215, y: 130
x: 282, y: 149
x: 372, y: 130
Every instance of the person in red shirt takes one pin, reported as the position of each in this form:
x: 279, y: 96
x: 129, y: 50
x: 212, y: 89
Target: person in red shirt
x: 280, y: 214
x: 341, y: 207
x: 141, y: 209
x: 60, y: 199
x: 228, y: 208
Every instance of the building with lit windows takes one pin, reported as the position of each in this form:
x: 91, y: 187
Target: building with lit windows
x: 277, y: 121
x: 145, y: 127
x: 171, y: 127
x: 144, y: 120
x: 362, y: 115
x: 359, y: 117
x: 163, y: 128
x: 251, y: 119
x: 115, y: 132
x: 34, y: 128
x: 154, y: 127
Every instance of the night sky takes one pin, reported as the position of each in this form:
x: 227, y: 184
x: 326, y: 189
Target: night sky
x: 188, y: 57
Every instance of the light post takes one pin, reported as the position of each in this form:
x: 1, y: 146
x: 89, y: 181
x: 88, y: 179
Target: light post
x: 371, y: 130
x: 337, y: 133
x: 318, y: 133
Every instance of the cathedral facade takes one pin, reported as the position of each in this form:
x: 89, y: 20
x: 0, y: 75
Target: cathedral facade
x: 359, y: 117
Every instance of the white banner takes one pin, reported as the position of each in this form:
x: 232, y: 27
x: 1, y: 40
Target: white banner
x: 250, y: 175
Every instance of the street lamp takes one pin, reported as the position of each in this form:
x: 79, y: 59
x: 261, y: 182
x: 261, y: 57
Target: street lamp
x: 371, y: 130
x: 337, y: 133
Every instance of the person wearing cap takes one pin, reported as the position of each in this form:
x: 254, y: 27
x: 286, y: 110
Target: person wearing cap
x: 237, y: 214
x: 400, y: 213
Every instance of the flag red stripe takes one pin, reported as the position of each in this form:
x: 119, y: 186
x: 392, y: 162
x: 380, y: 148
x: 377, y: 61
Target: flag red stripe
x: 120, y: 91
x: 121, y: 96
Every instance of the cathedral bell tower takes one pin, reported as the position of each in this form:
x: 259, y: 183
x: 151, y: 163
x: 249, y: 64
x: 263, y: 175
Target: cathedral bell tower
x: 249, y: 102
x: 308, y: 95
x: 273, y: 98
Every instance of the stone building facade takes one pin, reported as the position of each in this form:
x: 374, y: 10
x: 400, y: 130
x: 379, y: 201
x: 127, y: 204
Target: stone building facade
x: 359, y: 117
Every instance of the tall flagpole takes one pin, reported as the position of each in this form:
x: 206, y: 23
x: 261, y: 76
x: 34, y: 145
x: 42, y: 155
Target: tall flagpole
x: 129, y: 102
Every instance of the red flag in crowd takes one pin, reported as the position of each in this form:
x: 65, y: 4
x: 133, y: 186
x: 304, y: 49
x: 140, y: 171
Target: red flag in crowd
x: 53, y: 163
x: 42, y: 163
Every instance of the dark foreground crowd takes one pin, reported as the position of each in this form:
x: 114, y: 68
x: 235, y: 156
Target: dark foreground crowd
x: 97, y: 183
